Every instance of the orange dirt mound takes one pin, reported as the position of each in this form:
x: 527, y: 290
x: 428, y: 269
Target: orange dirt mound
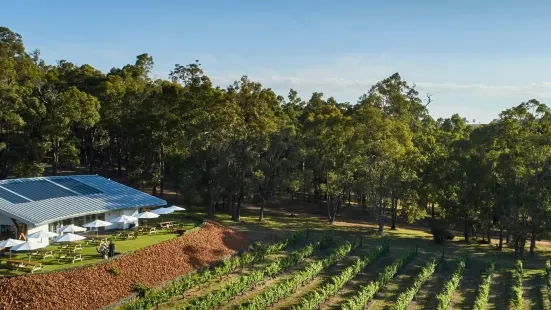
x: 95, y: 287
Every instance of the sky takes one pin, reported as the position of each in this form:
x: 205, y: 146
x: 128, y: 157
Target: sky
x: 476, y: 58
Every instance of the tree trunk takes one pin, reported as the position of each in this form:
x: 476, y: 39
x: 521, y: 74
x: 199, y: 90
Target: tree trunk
x: 381, y: 207
x: 466, y: 230
x: 508, y: 237
x: 433, y: 214
x: 91, y: 151
x: 154, y: 190
x: 500, y: 246
x: 55, y: 157
x: 119, y: 156
x: 349, y: 197
x: 532, y: 244
x: 394, y: 213
x: 210, y: 203
x: 237, y: 212
x: 488, y: 235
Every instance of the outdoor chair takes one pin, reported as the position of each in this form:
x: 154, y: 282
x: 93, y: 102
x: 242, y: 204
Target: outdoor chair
x: 76, y: 247
x: 152, y: 230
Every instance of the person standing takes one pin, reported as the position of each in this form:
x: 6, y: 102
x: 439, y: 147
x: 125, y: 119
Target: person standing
x: 111, y: 249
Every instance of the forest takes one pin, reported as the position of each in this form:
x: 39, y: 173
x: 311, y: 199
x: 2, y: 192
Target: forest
x: 223, y: 146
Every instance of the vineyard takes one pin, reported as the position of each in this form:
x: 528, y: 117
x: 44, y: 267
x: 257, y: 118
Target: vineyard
x: 306, y: 271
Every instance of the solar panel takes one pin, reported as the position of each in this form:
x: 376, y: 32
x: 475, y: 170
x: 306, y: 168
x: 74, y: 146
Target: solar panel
x: 77, y: 186
x: 38, y: 189
x: 11, y: 197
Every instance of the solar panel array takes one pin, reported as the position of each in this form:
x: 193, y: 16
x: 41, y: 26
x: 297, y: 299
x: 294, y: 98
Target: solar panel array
x: 77, y: 186
x: 11, y: 197
x: 38, y: 189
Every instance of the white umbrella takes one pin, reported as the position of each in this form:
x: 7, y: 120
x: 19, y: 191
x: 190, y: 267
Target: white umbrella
x: 69, y: 237
x: 125, y: 219
x: 96, y: 224
x: 176, y: 208
x: 70, y: 229
x: 147, y: 215
x: 10, y: 243
x: 42, y: 235
x: 28, y: 246
x: 162, y: 211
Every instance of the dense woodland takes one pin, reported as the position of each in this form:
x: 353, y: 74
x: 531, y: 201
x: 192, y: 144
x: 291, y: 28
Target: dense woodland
x: 244, y: 142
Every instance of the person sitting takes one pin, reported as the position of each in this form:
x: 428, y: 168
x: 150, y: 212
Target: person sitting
x: 102, y: 249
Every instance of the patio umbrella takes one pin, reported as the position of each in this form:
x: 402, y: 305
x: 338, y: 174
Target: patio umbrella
x: 10, y: 243
x: 125, y: 219
x: 147, y: 215
x: 28, y: 246
x: 70, y: 229
x: 162, y: 211
x: 176, y: 208
x: 69, y: 237
x: 42, y: 235
x: 97, y: 224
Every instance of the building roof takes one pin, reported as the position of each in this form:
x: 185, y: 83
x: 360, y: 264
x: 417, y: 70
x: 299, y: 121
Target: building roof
x: 45, y: 200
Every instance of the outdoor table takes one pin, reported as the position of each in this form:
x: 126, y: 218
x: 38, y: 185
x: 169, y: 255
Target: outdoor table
x: 30, y: 266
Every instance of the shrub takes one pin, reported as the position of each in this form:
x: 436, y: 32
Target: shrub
x: 141, y: 289
x: 440, y: 231
x: 114, y: 270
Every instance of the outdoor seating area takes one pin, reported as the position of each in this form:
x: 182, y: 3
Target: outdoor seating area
x: 15, y: 264
x: 76, y: 245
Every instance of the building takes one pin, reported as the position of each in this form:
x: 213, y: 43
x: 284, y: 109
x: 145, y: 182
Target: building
x: 47, y: 203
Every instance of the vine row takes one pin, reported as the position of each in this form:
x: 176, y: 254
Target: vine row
x: 283, y: 289
x: 256, y: 254
x: 239, y: 285
x: 516, y: 288
x: 481, y: 301
x: 444, y: 298
x: 335, y: 283
x: 367, y: 292
x: 407, y: 296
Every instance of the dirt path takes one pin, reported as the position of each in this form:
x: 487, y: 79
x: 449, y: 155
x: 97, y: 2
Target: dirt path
x: 465, y: 294
x: 499, y: 290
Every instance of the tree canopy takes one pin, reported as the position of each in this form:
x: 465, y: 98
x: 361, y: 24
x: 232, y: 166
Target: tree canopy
x: 222, y: 146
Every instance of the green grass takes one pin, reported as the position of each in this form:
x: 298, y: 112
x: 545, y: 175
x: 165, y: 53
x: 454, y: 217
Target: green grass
x: 89, y: 253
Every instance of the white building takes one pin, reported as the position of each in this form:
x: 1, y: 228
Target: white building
x: 47, y: 203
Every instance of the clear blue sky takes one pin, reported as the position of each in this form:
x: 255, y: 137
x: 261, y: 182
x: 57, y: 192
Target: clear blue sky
x: 476, y: 57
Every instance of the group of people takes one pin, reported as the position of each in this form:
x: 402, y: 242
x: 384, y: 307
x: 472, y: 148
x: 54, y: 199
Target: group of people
x: 106, y: 250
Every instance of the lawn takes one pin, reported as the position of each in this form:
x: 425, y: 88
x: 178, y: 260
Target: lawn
x: 89, y: 253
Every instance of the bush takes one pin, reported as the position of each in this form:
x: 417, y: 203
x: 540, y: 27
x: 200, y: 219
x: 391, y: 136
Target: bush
x: 114, y: 270
x: 440, y: 231
x: 141, y: 289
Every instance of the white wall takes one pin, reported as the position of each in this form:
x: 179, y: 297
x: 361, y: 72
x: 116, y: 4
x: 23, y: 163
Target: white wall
x: 39, y: 228
x: 116, y: 213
